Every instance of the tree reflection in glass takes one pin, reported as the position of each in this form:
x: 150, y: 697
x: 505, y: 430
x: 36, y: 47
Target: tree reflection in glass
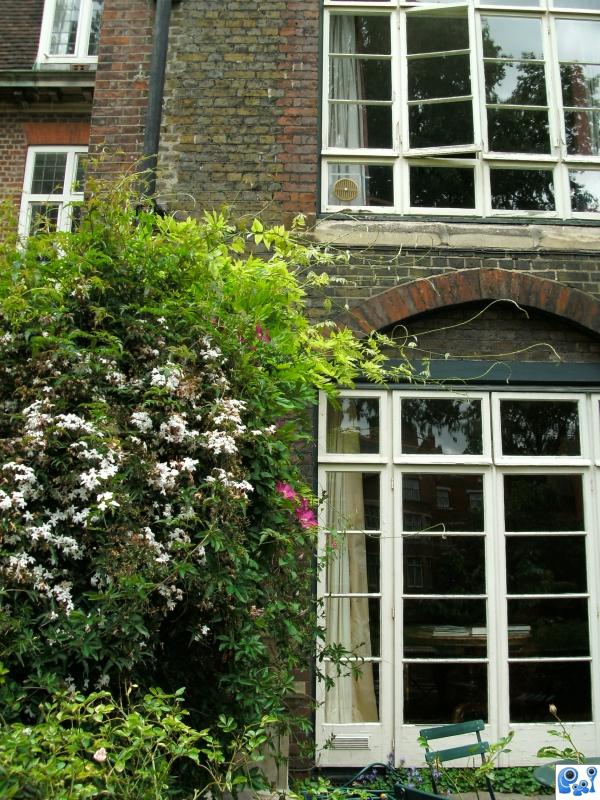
x: 444, y: 426
x: 540, y: 428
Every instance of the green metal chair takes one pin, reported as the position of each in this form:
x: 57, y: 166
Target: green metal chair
x: 439, y: 757
x: 402, y: 792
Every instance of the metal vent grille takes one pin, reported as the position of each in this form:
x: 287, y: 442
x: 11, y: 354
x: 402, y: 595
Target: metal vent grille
x: 350, y: 742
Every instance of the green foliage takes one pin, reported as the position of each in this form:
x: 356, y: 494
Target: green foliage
x: 93, y: 746
x: 155, y: 377
x: 569, y: 750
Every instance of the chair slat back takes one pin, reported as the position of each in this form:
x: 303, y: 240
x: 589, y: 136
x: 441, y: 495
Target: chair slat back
x: 442, y: 731
x: 452, y: 753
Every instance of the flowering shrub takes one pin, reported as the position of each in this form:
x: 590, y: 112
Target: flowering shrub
x: 154, y: 381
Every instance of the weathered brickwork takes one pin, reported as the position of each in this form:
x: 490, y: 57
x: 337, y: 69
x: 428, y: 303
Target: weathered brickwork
x: 122, y: 83
x: 240, y: 110
x: 369, y: 273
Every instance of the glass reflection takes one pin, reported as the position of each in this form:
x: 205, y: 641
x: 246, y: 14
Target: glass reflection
x: 445, y: 427
x: 359, y: 34
x: 360, y: 185
x: 582, y: 129
x: 354, y: 566
x: 585, y: 189
x: 353, y: 426
x: 436, y: 693
x: 515, y: 82
x: 422, y: 510
x: 593, y: 5
x: 444, y: 565
x: 580, y: 84
x: 370, y: 79
x: 543, y: 503
x: 353, y: 501
x: 445, y: 629
x: 439, y: 124
x: 443, y: 76
x: 540, y: 428
x: 522, y: 190
x: 548, y: 628
x: 442, y: 187
x: 353, y: 696
x: 545, y: 565
x: 354, y: 623
x: 578, y: 40
x: 512, y: 37
x: 518, y: 130
x: 534, y: 686
x: 444, y: 30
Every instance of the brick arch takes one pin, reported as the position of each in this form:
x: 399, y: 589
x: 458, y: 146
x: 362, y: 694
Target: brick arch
x: 465, y: 286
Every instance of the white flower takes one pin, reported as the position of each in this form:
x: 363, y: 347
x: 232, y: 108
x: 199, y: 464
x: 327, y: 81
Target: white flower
x: 220, y: 442
x: 168, y: 376
x: 142, y: 421
x: 100, y: 755
x: 105, y: 500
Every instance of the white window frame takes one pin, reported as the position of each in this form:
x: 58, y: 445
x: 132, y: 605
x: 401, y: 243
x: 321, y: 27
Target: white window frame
x: 80, y: 56
x: 399, y: 157
x: 360, y: 743
x: 64, y: 199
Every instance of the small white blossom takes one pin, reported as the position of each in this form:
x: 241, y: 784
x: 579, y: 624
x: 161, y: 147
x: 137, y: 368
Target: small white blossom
x: 142, y: 421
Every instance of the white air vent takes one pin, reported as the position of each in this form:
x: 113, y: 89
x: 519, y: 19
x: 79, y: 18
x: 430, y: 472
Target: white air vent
x: 350, y: 742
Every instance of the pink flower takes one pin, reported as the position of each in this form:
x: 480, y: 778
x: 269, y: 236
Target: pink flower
x: 285, y: 490
x: 262, y: 334
x: 305, y: 515
x: 100, y: 755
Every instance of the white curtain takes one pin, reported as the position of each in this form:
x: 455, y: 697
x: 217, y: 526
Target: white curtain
x: 346, y: 122
x: 350, y: 700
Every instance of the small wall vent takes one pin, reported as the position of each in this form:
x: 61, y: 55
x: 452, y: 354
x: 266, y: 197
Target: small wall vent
x: 350, y: 742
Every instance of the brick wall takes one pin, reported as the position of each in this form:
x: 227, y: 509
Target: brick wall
x: 240, y: 110
x: 122, y: 83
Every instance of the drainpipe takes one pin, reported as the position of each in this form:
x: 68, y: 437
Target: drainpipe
x: 160, y: 42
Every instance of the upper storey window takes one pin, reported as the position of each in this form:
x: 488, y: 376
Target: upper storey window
x: 70, y: 31
x: 476, y: 108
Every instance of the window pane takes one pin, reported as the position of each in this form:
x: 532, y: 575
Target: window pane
x: 578, y: 40
x: 353, y: 427
x: 446, y: 427
x: 585, y: 189
x: 445, y: 629
x: 354, y: 567
x: 440, y: 124
x: 81, y: 163
x: 444, y: 565
x: 534, y: 686
x: 64, y: 27
x: 522, y: 189
x: 585, y: 4
x: 580, y: 84
x: 548, y: 628
x: 582, y: 130
x: 515, y: 82
x: 95, y: 27
x: 545, y: 564
x: 360, y: 79
x: 436, y: 693
x: 48, y: 173
x: 353, y: 622
x: 354, y: 126
x: 512, y: 37
x: 360, y: 34
x: 44, y: 217
x: 420, y: 508
x: 353, y: 500
x: 76, y: 215
x: 353, y: 698
x: 514, y: 130
x: 540, y: 427
x: 441, y: 187
x: 361, y: 185
x: 436, y: 32
x: 543, y: 503
x: 513, y: 3
x: 440, y: 76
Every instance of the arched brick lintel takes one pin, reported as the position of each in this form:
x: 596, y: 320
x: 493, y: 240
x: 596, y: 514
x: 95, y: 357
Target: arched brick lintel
x: 465, y: 286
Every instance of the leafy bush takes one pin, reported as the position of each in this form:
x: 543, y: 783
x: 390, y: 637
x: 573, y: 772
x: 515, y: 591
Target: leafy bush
x: 155, y: 377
